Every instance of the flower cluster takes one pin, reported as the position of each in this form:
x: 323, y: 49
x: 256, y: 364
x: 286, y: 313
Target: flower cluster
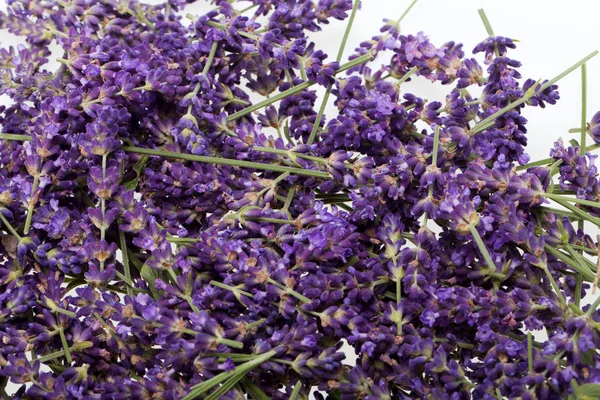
x: 165, y: 235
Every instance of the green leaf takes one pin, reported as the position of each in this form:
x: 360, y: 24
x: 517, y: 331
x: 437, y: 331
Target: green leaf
x: 137, y: 168
x: 201, y: 388
x: 588, y: 391
x: 253, y: 390
x: 150, y: 275
x: 74, y: 283
x: 587, y: 357
x: 296, y: 392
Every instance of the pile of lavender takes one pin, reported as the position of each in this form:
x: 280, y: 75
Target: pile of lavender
x: 180, y: 220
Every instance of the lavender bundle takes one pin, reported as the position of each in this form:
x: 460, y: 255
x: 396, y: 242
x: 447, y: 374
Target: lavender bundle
x: 180, y: 220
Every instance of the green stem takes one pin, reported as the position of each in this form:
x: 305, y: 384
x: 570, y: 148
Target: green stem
x: 317, y: 123
x: 9, y: 227
x: 579, y: 213
x: 230, y: 343
x: 434, y: 156
x: 407, y: 75
x: 201, y: 388
x: 571, y: 199
x: 295, y: 89
x: 181, y: 241
x: 61, y: 353
x: 65, y: 344
x: 484, y: 251
x: 232, y: 289
x: 255, y: 323
x: 488, y: 28
x: 498, y: 394
x: 587, y: 274
x: 248, y: 8
x: 125, y: 256
x: 289, y: 291
x: 273, y: 183
x: 289, y: 198
x: 253, y: 391
x: 555, y: 286
x: 10, y: 136
x: 582, y: 143
x: 530, y: 93
x: 578, y: 283
x: 593, y: 307
x: 31, y: 205
x: 406, y: 12
x: 549, y: 160
x: 289, y: 152
x: 226, y: 161
x: 103, y: 203
x: 211, y: 57
x: 486, y: 22
x: 340, y: 53
x: 302, y: 68
x: 271, y: 220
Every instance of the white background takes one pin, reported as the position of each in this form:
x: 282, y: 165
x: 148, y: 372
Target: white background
x: 553, y: 35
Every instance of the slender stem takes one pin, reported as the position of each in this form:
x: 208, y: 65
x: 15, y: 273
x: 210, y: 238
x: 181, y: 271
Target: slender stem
x: 65, y: 344
x: 253, y: 391
x: 406, y: 12
x: 587, y: 274
x: 484, y: 251
x: 289, y: 198
x: 340, y: 53
x: 583, y: 145
x: 530, y: 93
x: 597, y: 275
x: 288, y: 152
x: 248, y: 8
x: 205, y: 386
x: 295, y: 89
x: 9, y: 227
x: 578, y: 283
x: 434, y: 156
x: 295, y: 395
x: 488, y: 28
x: 125, y: 256
x: 582, y: 141
x: 302, y: 69
x: 572, y: 199
x: 11, y: 136
x: 226, y: 161
x: 530, y: 352
x: 555, y: 286
x: 317, y: 123
x: 498, y: 394
x: 578, y: 213
x: 230, y: 343
x: 407, y: 75
x: 271, y: 220
x: 231, y: 288
x: 103, y: 201
x: 593, y: 307
x: 289, y: 291
x: 211, y: 57
x: 549, y: 160
x: 486, y: 22
x: 178, y: 240
x: 255, y: 323
x: 31, y: 205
